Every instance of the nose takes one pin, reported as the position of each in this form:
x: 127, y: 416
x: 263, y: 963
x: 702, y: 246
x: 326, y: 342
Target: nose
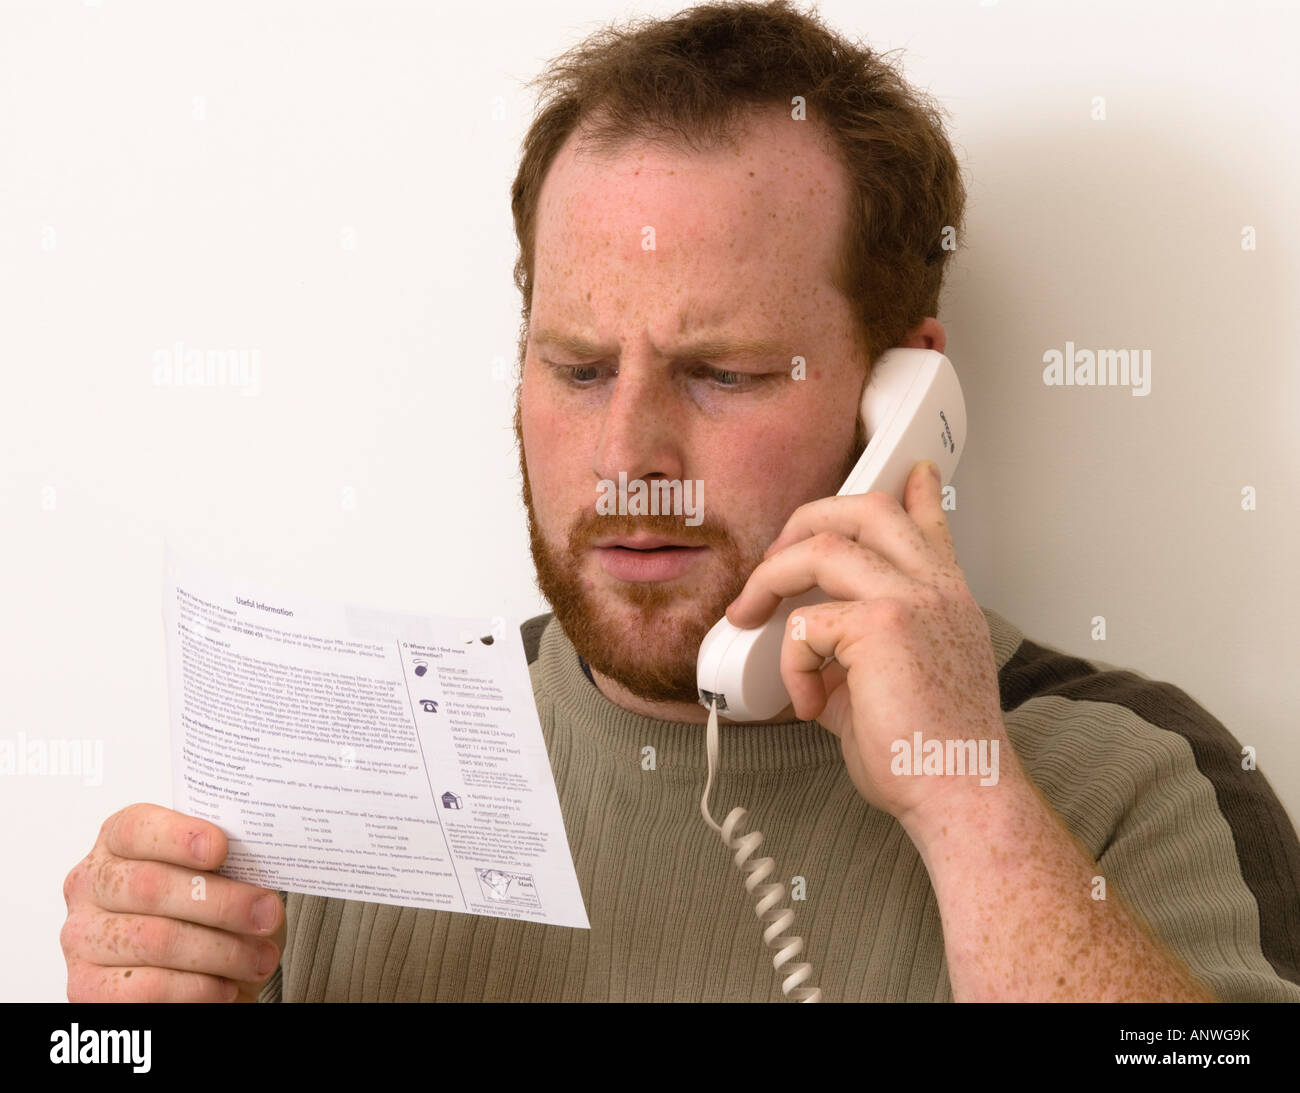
x: 641, y: 428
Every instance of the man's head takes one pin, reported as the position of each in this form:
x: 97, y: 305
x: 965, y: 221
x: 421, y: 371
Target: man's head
x: 673, y: 193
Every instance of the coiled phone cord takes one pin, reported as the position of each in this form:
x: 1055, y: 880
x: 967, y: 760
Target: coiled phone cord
x: 757, y: 870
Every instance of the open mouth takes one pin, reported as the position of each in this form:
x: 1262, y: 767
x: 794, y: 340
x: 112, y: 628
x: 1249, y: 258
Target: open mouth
x: 665, y: 562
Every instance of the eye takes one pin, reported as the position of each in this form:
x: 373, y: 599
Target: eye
x: 584, y: 375
x: 727, y: 379
x: 580, y: 375
x: 733, y: 381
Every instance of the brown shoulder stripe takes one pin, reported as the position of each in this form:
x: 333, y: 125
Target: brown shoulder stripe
x: 1266, y: 844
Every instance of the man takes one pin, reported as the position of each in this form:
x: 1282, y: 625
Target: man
x: 703, y: 202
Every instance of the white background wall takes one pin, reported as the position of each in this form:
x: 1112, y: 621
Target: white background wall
x: 195, y: 172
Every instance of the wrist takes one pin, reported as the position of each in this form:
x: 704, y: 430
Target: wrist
x: 976, y: 825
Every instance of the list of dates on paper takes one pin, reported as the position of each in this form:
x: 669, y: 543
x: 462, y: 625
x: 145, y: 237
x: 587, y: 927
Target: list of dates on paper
x: 363, y: 754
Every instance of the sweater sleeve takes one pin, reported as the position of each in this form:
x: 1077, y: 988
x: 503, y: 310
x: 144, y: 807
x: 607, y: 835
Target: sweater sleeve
x: 1172, y: 859
x: 1194, y: 840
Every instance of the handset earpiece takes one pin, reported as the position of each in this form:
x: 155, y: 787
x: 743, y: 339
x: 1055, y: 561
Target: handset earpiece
x: 912, y: 409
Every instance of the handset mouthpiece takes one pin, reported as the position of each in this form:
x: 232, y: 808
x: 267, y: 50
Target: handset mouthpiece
x: 708, y: 698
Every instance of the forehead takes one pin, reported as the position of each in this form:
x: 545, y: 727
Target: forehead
x: 760, y: 217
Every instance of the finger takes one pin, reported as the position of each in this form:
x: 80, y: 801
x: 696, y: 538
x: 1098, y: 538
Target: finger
x: 148, y: 832
x: 833, y: 676
x: 92, y: 983
x: 923, y: 499
x: 248, y: 992
x: 156, y: 888
x: 812, y: 634
x: 249, y: 989
x: 801, y: 664
x: 841, y: 567
x: 128, y: 941
x: 875, y: 520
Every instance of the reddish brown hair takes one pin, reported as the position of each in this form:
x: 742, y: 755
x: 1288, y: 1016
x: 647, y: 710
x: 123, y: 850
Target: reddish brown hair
x: 689, y: 79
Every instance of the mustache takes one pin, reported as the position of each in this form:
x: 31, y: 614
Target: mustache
x: 591, y: 526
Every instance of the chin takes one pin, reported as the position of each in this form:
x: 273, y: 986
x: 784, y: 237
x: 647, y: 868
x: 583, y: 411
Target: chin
x: 644, y: 635
x: 650, y: 649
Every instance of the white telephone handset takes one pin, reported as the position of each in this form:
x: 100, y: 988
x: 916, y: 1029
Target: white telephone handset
x: 912, y: 409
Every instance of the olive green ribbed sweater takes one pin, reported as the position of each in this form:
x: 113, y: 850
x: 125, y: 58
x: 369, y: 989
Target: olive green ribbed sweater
x: 1141, y: 774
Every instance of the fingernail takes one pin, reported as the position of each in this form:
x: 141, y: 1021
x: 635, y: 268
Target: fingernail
x: 265, y: 911
x: 231, y: 991
x: 199, y: 847
x: 938, y: 475
x: 267, y: 958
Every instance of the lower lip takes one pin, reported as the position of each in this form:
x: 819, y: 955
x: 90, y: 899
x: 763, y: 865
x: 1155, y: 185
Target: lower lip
x: 647, y: 565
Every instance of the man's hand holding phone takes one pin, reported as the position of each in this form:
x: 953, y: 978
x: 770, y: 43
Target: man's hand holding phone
x: 911, y: 646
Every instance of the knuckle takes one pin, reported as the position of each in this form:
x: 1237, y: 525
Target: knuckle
x: 73, y: 883
x: 889, y: 614
x: 191, y: 987
x: 122, y: 833
x: 94, y: 983
x: 823, y: 543
x: 878, y: 500
x: 238, y: 958
x: 79, y: 983
x: 106, y: 878
x: 70, y: 938
x: 146, y: 886
x: 106, y: 828
x: 229, y: 903
x: 160, y: 940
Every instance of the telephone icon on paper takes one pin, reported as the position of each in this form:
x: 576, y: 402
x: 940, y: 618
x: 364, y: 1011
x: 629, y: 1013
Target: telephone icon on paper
x: 912, y: 409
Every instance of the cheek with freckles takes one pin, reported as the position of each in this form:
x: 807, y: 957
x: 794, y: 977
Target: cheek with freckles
x: 559, y: 468
x: 766, y: 484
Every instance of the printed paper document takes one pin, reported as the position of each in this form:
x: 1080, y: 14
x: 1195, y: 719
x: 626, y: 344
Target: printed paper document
x: 364, y: 754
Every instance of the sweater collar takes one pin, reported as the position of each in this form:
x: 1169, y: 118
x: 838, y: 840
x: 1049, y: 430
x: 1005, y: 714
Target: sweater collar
x: 609, y: 728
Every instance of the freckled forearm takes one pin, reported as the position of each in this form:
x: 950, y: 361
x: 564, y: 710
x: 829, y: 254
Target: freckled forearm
x: 1020, y: 921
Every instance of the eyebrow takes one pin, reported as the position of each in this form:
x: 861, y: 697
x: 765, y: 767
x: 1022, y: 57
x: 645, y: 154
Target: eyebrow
x: 712, y: 348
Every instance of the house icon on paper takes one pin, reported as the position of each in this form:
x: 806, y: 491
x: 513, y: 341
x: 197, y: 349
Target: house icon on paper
x: 450, y: 800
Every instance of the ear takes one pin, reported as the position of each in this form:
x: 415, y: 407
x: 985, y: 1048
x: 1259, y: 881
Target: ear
x: 928, y: 334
